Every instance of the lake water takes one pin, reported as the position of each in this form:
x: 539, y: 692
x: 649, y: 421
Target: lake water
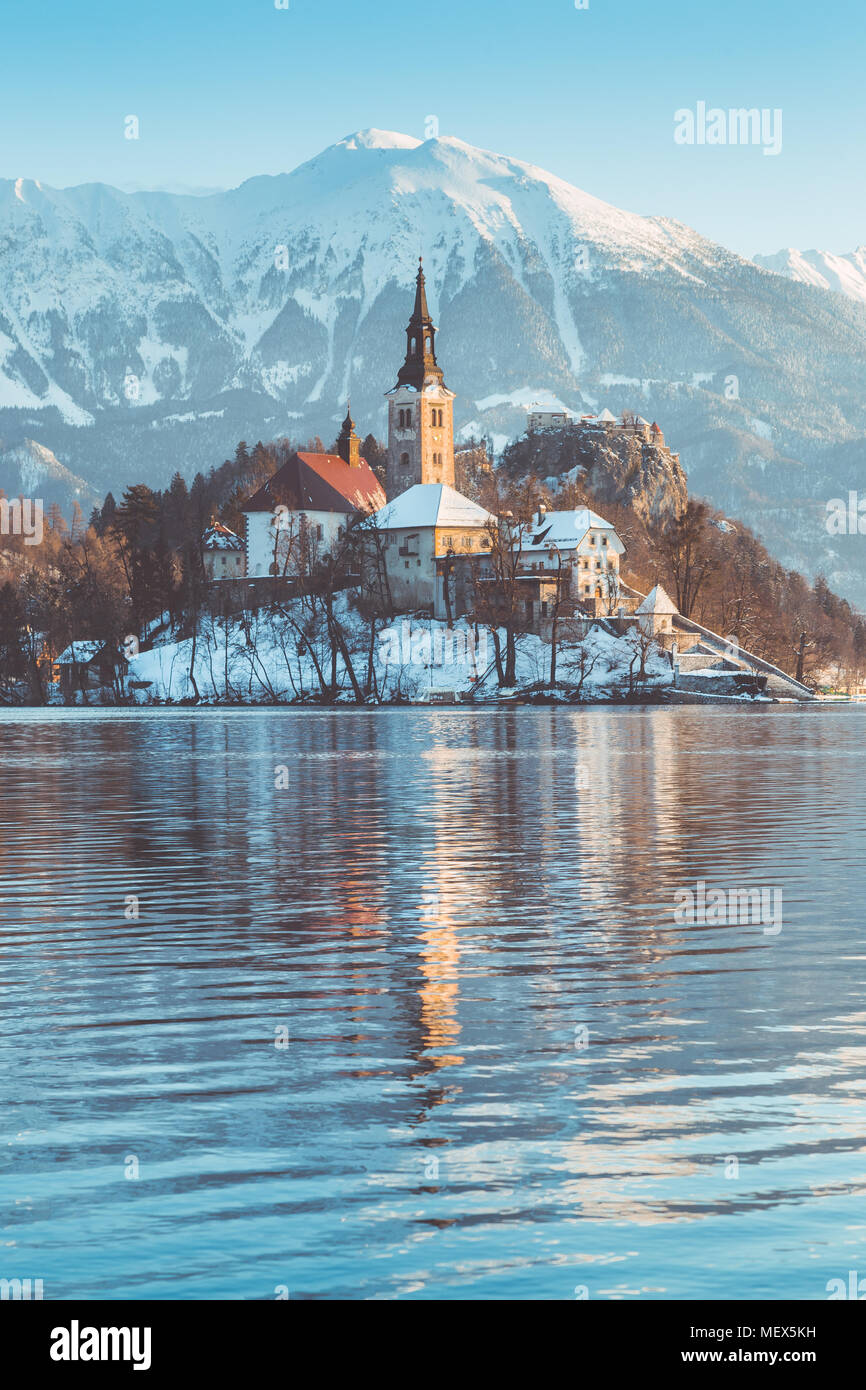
x: 424, y: 1023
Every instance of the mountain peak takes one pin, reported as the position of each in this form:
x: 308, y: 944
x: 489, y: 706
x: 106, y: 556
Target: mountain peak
x: 373, y: 139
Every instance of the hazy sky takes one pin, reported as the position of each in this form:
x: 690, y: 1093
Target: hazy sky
x: 224, y: 89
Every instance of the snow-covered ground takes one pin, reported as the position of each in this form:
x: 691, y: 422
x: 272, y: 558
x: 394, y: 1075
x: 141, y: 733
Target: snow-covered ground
x: 267, y: 658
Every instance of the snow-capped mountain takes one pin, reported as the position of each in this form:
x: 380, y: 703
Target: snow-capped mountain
x: 141, y: 333
x: 845, y: 274
x: 29, y: 469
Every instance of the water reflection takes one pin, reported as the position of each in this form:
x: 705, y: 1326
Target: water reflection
x: 440, y: 907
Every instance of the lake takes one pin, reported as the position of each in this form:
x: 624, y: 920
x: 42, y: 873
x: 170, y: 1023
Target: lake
x: 402, y: 1003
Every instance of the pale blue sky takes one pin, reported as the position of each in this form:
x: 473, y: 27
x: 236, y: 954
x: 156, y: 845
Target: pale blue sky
x: 225, y: 89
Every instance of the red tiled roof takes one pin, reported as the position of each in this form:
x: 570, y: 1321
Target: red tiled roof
x: 319, y: 483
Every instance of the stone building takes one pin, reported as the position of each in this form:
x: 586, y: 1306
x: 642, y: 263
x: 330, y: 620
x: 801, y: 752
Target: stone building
x: 420, y: 408
x: 656, y: 614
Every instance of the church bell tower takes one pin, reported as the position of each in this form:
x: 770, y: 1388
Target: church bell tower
x: 420, y: 408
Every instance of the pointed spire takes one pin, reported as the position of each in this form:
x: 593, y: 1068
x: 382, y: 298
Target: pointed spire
x: 420, y: 312
x: 420, y: 365
x: 348, y: 443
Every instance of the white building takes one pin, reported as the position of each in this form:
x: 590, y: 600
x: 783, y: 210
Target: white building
x: 585, y: 543
x: 656, y: 613
x: 301, y: 513
x: 420, y: 530
x: 543, y: 417
x: 223, y: 553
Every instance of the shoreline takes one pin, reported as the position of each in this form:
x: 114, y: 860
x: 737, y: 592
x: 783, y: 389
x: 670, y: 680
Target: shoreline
x: 729, y: 702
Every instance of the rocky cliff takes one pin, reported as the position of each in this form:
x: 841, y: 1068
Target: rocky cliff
x: 620, y: 466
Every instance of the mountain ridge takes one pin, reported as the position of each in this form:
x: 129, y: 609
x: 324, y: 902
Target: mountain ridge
x: 146, y: 332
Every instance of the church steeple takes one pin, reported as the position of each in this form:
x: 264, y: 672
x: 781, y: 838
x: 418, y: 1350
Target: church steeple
x: 420, y: 408
x: 420, y: 367
x: 348, y: 443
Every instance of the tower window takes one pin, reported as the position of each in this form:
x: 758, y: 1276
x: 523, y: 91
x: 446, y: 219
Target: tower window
x: 413, y: 345
x: 429, y: 343
x: 404, y: 460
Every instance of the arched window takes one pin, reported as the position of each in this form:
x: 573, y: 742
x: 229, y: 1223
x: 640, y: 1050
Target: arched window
x: 413, y: 346
x: 404, y: 460
x: 429, y: 343
x: 434, y: 416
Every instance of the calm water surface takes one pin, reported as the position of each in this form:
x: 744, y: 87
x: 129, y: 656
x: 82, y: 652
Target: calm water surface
x: 439, y: 909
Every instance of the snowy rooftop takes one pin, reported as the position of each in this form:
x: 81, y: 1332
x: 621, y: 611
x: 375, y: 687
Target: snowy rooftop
x: 430, y: 504
x: 219, y: 537
x: 567, y: 529
x: 657, y: 601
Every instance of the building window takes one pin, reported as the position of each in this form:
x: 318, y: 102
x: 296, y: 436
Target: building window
x: 604, y: 540
x: 413, y: 346
x: 404, y: 460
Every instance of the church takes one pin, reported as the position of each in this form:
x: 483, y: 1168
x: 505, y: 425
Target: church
x: 301, y: 513
x: 434, y: 542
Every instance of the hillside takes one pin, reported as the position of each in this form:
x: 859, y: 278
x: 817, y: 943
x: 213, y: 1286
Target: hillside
x: 146, y: 333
